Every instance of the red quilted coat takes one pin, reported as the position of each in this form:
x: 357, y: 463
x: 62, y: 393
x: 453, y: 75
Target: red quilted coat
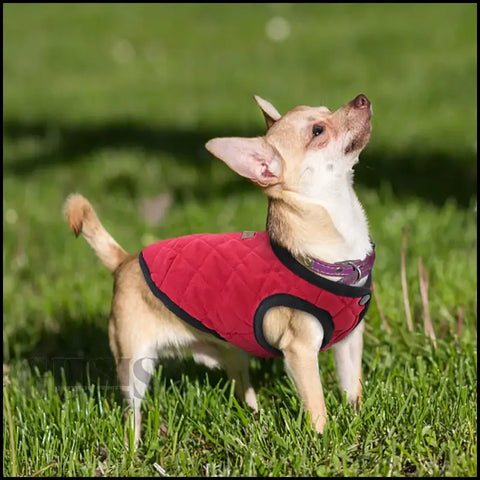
x: 225, y: 283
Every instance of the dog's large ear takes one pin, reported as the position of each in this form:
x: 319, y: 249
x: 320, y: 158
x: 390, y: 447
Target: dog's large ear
x: 269, y: 111
x: 252, y: 158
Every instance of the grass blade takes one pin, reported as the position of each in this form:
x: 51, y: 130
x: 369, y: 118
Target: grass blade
x: 404, y: 284
x: 11, y: 431
x: 380, y: 311
x: 428, y: 327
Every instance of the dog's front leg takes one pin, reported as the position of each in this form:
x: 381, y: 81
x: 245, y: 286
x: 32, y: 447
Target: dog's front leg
x: 303, y: 342
x: 348, y: 360
x: 236, y: 364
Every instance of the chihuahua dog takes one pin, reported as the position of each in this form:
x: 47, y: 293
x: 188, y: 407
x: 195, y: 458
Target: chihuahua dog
x: 291, y: 291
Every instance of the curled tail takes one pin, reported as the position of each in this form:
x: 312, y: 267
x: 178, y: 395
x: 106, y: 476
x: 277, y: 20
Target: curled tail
x: 81, y: 218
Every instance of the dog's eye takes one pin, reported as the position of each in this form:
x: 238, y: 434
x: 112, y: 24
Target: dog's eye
x: 317, y: 130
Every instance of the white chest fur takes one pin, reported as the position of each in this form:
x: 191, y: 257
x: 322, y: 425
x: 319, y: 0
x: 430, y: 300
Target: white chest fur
x: 330, y: 185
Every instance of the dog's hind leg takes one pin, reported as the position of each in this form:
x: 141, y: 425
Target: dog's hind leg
x: 134, y: 375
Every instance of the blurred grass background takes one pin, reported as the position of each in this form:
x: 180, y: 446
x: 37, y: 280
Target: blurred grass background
x: 116, y: 101
x: 163, y: 78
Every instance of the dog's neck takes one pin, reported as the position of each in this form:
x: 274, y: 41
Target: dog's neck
x: 331, y: 226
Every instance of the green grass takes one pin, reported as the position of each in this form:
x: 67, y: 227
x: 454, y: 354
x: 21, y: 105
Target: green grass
x: 116, y: 102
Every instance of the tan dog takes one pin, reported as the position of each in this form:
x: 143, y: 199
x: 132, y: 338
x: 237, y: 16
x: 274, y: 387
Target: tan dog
x: 304, y: 164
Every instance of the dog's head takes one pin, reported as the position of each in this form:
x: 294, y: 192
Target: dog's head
x: 303, y: 150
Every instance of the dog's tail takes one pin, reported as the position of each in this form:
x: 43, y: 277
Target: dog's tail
x: 82, y: 219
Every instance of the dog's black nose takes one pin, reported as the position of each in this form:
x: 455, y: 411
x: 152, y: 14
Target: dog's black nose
x: 361, y: 101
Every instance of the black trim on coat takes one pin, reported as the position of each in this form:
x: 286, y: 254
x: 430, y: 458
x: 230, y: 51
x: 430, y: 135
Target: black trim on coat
x: 287, y: 300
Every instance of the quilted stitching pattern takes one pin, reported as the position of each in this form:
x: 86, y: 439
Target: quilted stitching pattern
x: 220, y: 279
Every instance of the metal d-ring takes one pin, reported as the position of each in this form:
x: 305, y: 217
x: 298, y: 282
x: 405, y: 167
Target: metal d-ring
x: 357, y: 269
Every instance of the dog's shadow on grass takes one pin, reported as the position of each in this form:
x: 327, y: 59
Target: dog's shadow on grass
x: 75, y: 354
x: 433, y: 175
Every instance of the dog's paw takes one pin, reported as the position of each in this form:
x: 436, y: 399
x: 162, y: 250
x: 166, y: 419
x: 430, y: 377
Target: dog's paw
x: 251, y: 399
x: 318, y: 423
x: 357, y: 404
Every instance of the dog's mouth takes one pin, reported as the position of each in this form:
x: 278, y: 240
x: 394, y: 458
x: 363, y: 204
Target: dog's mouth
x: 358, y: 119
x: 359, y: 139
